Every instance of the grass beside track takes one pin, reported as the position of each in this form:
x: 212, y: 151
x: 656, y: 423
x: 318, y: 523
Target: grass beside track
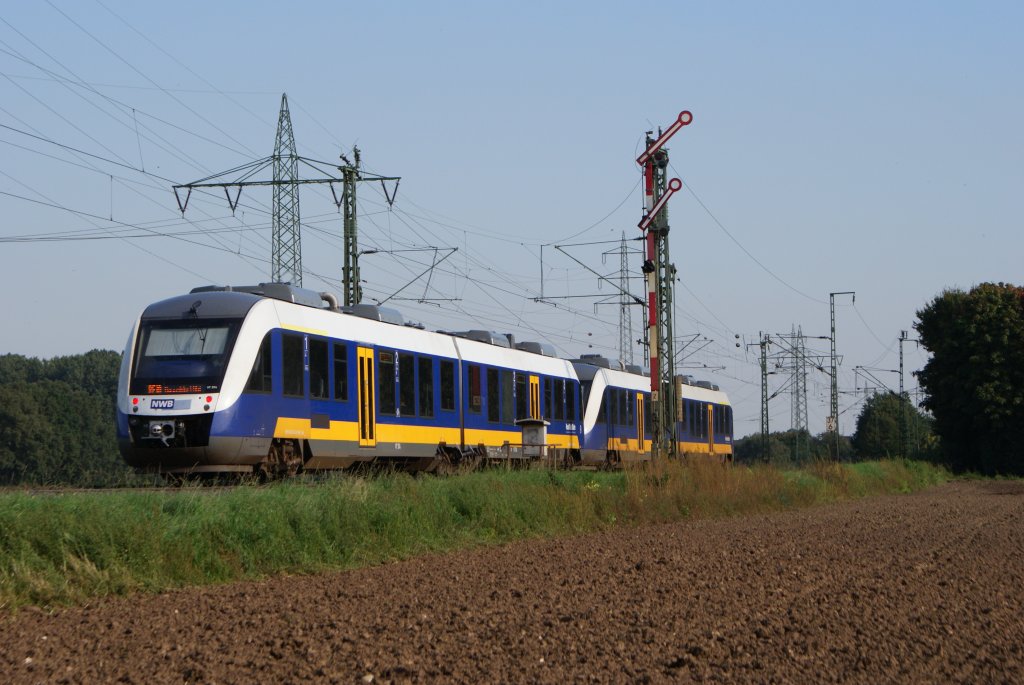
x: 68, y: 548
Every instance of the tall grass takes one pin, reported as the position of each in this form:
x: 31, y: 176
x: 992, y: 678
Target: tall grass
x: 58, y: 549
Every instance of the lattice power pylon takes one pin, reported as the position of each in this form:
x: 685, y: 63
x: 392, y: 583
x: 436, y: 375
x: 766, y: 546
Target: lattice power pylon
x: 286, y: 237
x: 285, y: 163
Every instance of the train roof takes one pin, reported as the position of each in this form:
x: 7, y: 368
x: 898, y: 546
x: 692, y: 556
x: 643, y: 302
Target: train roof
x: 704, y: 391
x: 204, y: 305
x: 302, y: 309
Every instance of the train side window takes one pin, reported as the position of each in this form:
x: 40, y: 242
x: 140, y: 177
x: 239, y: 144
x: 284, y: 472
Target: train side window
x: 447, y: 385
x: 611, y: 398
x: 647, y: 413
x: 507, y: 404
x: 426, y: 386
x: 493, y: 396
x: 261, y: 376
x: 570, y: 401
x: 547, y: 398
x: 293, y: 366
x: 340, y: 373
x: 522, y: 395
x: 406, y: 384
x: 559, y: 399
x: 319, y: 386
x: 475, y: 394
x: 386, y: 378
x: 623, y: 408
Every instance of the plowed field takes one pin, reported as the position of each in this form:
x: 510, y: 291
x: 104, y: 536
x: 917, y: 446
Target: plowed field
x: 915, y: 588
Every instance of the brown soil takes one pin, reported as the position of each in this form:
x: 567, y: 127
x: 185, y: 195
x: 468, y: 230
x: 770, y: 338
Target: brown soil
x: 915, y: 588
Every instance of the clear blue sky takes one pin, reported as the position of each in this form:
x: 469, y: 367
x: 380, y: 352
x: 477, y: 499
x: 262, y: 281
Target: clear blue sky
x: 867, y: 146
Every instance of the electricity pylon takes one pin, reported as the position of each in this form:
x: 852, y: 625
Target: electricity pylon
x: 286, y: 245
x: 286, y: 238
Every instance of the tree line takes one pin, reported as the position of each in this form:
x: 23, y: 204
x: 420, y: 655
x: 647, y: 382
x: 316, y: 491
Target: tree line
x: 57, y: 420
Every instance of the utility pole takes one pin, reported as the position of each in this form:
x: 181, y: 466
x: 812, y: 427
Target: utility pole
x: 286, y: 248
x: 832, y: 422
x: 625, y: 316
x: 350, y: 268
x: 765, y: 342
x: 799, y: 405
x: 286, y: 239
x: 903, y: 399
x: 660, y: 274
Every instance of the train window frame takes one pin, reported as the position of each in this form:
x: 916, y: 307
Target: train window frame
x: 339, y: 361
x: 264, y: 363
x: 447, y: 379
x: 493, y: 396
x: 406, y: 384
x: 647, y: 413
x: 570, y: 401
x: 559, y: 413
x: 319, y: 356
x: 522, y: 394
x: 425, y: 385
x: 474, y: 382
x: 507, y: 381
x: 293, y: 364
x: 611, y: 398
x: 547, y: 398
x: 387, y: 394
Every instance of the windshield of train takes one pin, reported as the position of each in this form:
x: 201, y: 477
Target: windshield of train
x: 180, y: 357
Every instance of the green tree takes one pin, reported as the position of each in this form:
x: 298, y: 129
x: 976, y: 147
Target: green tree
x: 974, y: 380
x: 878, y: 428
x: 57, y: 420
x: 782, y: 448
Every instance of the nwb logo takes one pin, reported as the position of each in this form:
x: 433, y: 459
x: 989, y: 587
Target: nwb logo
x: 161, y: 404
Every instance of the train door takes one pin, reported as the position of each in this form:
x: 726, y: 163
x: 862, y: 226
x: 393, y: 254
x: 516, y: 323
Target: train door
x: 366, y: 414
x: 640, y: 423
x: 711, y: 429
x: 534, y: 397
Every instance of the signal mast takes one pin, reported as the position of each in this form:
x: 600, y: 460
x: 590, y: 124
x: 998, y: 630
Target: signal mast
x: 660, y: 273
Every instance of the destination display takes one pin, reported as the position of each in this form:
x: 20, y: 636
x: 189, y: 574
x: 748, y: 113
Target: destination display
x: 159, y: 389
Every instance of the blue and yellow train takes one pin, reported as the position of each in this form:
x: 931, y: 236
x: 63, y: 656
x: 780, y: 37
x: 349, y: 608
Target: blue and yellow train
x: 273, y: 379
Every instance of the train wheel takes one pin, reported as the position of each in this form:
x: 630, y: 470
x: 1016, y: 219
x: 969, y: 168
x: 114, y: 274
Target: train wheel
x: 447, y: 461
x: 283, y: 461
